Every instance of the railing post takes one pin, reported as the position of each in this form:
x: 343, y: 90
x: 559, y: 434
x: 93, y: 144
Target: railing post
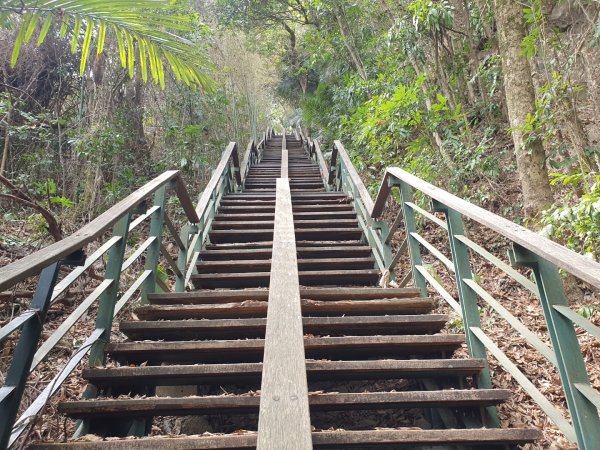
x: 18, y: 372
x: 153, y: 252
x: 570, y: 362
x: 414, y: 249
x: 108, y: 299
x: 184, y: 236
x: 468, y: 298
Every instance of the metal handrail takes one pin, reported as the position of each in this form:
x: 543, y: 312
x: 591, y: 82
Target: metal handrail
x: 530, y: 250
x: 69, y: 251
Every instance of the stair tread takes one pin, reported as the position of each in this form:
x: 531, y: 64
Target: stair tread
x: 172, y: 375
x: 178, y: 329
x: 321, y: 439
x: 166, y: 406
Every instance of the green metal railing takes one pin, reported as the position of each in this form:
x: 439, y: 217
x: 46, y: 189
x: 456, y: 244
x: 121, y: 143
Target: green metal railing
x: 113, y: 228
x: 543, y: 257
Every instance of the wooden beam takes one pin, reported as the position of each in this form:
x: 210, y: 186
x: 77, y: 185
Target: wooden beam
x: 34, y: 263
x: 284, y: 164
x: 284, y: 413
x: 574, y: 263
x: 364, y: 195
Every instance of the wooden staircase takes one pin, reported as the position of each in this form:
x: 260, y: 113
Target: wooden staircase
x: 379, y: 365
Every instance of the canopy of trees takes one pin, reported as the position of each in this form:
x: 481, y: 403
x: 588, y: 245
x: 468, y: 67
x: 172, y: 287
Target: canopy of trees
x: 496, y: 101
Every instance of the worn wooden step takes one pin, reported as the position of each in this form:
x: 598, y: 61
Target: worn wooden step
x: 255, y: 328
x: 245, y: 266
x: 309, y: 308
x: 321, y: 294
x: 219, y: 374
x: 160, y: 406
x: 400, y: 438
x: 253, y: 235
x: 303, y: 252
x: 250, y: 350
x: 298, y: 224
x: 358, y: 277
x: 269, y: 244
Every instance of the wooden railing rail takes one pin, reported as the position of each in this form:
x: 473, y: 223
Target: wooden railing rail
x: 253, y: 154
x: 313, y: 150
x: 121, y: 258
x: 528, y: 249
x: 344, y: 177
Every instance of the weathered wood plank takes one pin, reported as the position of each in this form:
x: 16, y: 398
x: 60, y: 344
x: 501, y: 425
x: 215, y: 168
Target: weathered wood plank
x: 204, y: 200
x: 228, y: 404
x: 177, y: 330
x: 34, y: 263
x: 365, y: 197
x: 400, y: 438
x: 574, y: 263
x: 316, y: 370
x: 284, y: 164
x: 284, y: 415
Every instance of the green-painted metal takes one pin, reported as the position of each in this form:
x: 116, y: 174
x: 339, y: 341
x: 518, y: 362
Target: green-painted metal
x: 153, y: 253
x: 381, y: 250
x: 107, y: 301
x: 468, y: 299
x: 571, y: 364
x: 16, y: 376
x: 182, y: 255
x: 410, y: 224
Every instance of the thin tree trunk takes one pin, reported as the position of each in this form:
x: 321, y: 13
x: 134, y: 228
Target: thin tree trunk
x: 520, y: 100
x: 356, y: 60
x: 6, y: 140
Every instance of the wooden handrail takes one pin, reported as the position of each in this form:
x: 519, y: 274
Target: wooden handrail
x: 574, y: 263
x: 34, y: 263
x: 338, y: 149
x: 249, y: 150
x: 230, y: 152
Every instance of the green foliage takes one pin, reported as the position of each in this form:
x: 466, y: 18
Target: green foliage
x: 149, y: 25
x: 577, y: 225
x: 431, y: 15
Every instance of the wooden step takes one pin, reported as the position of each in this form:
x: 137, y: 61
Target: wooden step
x: 258, y: 309
x: 219, y: 374
x: 320, y: 294
x: 245, y: 266
x: 253, y: 235
x: 303, y: 252
x: 359, y: 277
x: 255, y: 328
x: 269, y: 244
x: 160, y: 406
x: 268, y: 224
x: 400, y: 438
x: 251, y: 350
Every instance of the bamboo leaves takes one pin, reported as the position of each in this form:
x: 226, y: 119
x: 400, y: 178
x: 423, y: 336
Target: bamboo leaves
x: 146, y: 33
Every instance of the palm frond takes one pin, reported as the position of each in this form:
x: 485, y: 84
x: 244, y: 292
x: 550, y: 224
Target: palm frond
x: 150, y: 26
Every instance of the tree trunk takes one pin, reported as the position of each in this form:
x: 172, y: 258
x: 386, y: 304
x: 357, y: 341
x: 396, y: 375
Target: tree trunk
x: 520, y: 101
x: 347, y: 39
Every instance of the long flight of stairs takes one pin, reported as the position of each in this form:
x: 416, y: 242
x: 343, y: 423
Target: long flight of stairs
x: 380, y: 368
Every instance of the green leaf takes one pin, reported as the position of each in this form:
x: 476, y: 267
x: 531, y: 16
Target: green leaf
x: 19, y: 40
x: 101, y: 37
x: 75, y: 38
x: 31, y: 27
x: 130, y: 54
x: 45, y: 28
x: 122, y: 52
x: 85, y: 48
